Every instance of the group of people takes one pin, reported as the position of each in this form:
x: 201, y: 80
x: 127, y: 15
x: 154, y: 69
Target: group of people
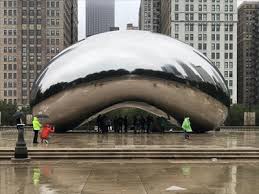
x: 118, y: 124
x: 121, y: 124
x: 44, y: 130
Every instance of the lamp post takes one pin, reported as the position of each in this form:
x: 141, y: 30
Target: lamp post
x: 21, y: 152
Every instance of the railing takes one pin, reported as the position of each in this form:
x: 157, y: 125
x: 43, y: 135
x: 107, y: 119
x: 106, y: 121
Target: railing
x: 9, y: 128
x: 239, y: 128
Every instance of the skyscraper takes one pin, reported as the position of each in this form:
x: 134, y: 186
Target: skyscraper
x: 210, y: 27
x: 100, y: 16
x: 32, y: 32
x: 248, y: 53
x: 149, y: 15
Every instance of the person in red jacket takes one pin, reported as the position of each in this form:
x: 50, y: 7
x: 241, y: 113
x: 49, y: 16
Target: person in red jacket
x: 46, y: 130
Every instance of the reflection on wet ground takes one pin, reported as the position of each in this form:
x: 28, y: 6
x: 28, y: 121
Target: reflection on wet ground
x: 132, y: 177
x: 245, y: 139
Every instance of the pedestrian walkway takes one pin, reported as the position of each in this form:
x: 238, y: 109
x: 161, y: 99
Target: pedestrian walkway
x: 246, y: 139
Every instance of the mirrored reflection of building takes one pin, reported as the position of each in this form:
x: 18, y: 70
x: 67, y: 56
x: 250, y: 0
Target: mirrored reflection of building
x: 100, y: 16
x: 149, y: 15
x: 208, y: 26
x: 32, y: 33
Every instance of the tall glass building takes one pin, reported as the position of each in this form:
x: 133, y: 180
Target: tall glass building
x: 100, y: 16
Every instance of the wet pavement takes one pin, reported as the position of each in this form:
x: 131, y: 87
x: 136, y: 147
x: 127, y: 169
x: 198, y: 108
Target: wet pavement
x: 128, y: 177
x: 245, y: 139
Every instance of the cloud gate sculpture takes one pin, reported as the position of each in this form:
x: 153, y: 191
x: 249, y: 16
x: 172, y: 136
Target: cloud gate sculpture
x: 131, y: 68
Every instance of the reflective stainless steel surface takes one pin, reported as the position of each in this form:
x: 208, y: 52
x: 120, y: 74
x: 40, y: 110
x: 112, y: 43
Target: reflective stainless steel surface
x: 114, y: 67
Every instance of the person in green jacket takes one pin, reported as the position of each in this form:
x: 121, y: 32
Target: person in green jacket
x: 186, y: 127
x: 36, y: 128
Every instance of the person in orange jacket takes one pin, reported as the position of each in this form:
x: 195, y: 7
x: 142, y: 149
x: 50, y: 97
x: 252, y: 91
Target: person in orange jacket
x: 46, y: 130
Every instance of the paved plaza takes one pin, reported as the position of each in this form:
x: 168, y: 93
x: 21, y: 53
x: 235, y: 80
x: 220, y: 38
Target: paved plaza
x: 245, y: 139
x: 129, y: 177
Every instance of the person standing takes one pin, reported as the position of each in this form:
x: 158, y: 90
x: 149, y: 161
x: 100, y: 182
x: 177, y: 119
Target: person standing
x: 135, y: 120
x: 142, y: 123
x: 36, y: 128
x: 187, y: 127
x: 125, y: 121
x: 149, y: 123
x: 120, y: 124
x: 98, y: 122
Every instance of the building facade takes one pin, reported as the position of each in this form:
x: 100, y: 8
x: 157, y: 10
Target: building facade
x: 149, y: 15
x: 114, y: 28
x: 130, y: 26
x: 248, y: 53
x: 210, y: 27
x: 100, y: 16
x: 32, y: 32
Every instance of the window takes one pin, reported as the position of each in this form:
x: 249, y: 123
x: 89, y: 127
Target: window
x: 226, y: 65
x: 200, y: 37
x: 205, y: 37
x: 217, y: 55
x: 191, y: 36
x: 213, y: 46
x: 225, y: 73
x: 230, y: 83
x: 218, y: 36
x: 226, y: 55
x: 186, y: 37
x: 226, y: 37
x: 226, y: 46
x: 176, y: 16
x: 200, y: 46
x: 230, y: 74
x: 176, y: 7
x: 176, y: 28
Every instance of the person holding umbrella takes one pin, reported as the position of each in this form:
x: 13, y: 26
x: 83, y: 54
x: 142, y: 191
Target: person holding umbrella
x: 36, y: 128
x: 187, y: 127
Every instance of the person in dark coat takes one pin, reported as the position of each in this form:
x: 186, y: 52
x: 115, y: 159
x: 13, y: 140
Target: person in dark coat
x: 135, y: 120
x: 149, y: 123
x: 125, y: 122
x: 120, y: 124
x: 98, y: 122
x: 115, y: 124
x: 102, y: 123
x: 142, y: 123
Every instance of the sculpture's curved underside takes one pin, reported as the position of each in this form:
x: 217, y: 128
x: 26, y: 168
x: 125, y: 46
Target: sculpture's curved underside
x: 109, y: 69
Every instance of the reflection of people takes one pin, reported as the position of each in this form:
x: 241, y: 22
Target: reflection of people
x: 186, y: 170
x: 142, y: 123
x: 36, y: 127
x: 98, y: 120
x: 186, y: 127
x: 36, y: 176
x: 149, y: 123
x: 125, y: 122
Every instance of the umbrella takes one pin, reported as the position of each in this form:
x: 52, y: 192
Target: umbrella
x: 18, y: 115
x: 42, y: 116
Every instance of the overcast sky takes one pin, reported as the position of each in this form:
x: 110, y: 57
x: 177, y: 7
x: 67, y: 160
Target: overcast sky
x: 126, y: 11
